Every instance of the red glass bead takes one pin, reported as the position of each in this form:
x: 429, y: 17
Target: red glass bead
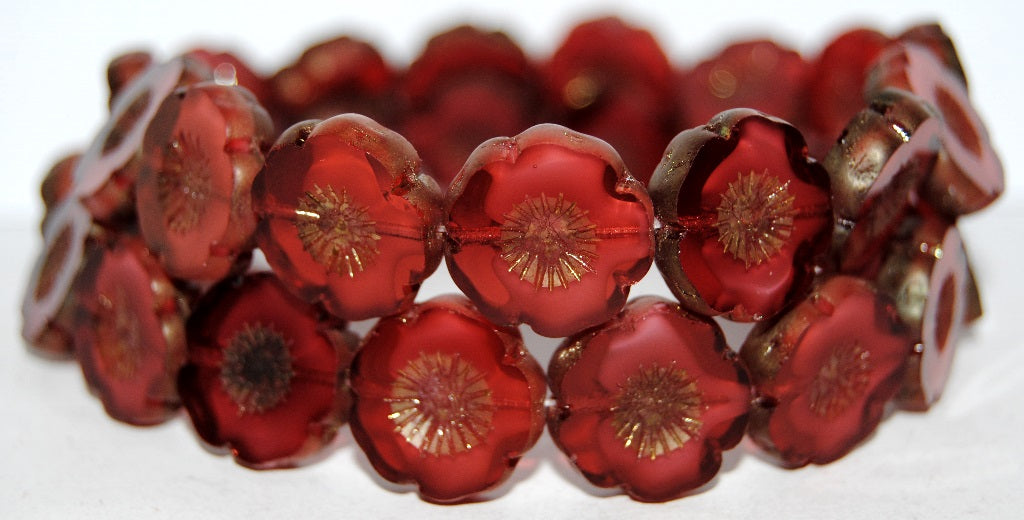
x: 466, y: 87
x: 968, y: 175
x: 265, y: 373
x: 927, y: 277
x: 744, y: 213
x: 105, y: 176
x: 613, y: 81
x: 129, y: 332
x: 648, y: 400
x: 932, y: 36
x: 47, y: 311
x: 757, y: 74
x: 333, y: 77
x: 201, y: 152
x: 446, y: 400
x: 875, y: 169
x: 835, y: 86
x: 347, y: 217
x: 57, y: 184
x: 824, y: 371
x: 123, y: 69
x: 547, y: 228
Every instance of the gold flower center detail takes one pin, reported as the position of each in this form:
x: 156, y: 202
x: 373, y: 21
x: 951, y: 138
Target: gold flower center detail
x: 257, y: 368
x: 755, y: 217
x: 548, y: 242
x: 337, y: 233
x: 441, y: 404
x: 843, y: 379
x: 184, y: 183
x: 657, y: 410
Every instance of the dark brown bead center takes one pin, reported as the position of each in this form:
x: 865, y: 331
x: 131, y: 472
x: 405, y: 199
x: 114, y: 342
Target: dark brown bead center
x: 257, y: 369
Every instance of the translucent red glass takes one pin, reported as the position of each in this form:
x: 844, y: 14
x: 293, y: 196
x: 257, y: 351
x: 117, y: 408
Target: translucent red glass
x: 968, y: 175
x: 613, y: 81
x: 547, y: 228
x: 467, y: 86
x: 757, y: 74
x: 47, y: 310
x: 445, y: 400
x: 824, y: 371
x: 129, y: 332
x: 744, y: 214
x: 648, y: 400
x: 265, y: 373
x: 926, y: 275
x: 105, y: 176
x: 876, y: 169
x: 835, y: 86
x: 333, y: 77
x: 347, y: 217
x: 201, y: 152
x: 56, y: 185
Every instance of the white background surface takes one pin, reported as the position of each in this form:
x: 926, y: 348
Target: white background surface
x: 61, y: 456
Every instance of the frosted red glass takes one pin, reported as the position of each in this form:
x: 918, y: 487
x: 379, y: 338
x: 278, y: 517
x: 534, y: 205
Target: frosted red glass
x: 547, y: 228
x: 968, y: 175
x: 649, y: 400
x: 824, y: 371
x: 757, y: 74
x: 467, y: 86
x: 835, y: 86
x: 926, y: 274
x: 104, y: 178
x: 333, y: 77
x: 200, y: 154
x: 347, y: 217
x: 744, y: 215
x: 265, y: 373
x: 445, y: 400
x: 129, y: 332
x: 613, y: 81
x: 47, y: 309
x: 876, y: 169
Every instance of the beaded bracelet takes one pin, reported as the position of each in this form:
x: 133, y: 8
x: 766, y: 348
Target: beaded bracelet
x: 851, y: 266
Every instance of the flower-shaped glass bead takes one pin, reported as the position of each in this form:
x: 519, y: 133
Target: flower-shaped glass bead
x: 105, y: 176
x: 130, y: 331
x: 200, y: 154
x: 445, y: 399
x: 333, y: 77
x: 265, y: 373
x: 835, y: 85
x: 744, y: 213
x: 648, y: 400
x: 757, y: 74
x: 347, y: 218
x: 47, y: 306
x: 875, y: 169
x: 967, y: 175
x: 467, y: 86
x: 823, y: 372
x: 548, y: 228
x: 613, y: 81
x: 927, y: 276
